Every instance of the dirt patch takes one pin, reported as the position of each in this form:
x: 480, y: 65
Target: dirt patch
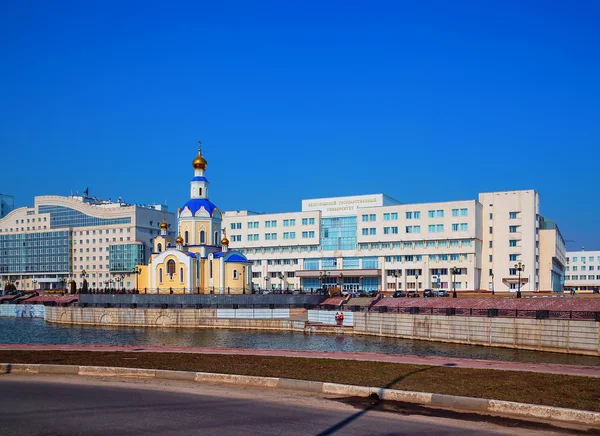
x: 575, y: 392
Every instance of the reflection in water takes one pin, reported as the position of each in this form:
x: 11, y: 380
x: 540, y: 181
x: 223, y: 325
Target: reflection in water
x: 37, y: 331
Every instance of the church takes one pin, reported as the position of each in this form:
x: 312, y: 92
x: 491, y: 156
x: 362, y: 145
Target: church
x: 198, y: 261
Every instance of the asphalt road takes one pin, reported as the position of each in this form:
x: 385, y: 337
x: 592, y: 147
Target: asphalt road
x: 71, y: 405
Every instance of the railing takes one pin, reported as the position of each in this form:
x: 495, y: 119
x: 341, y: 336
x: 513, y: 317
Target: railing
x: 490, y: 313
x: 212, y: 290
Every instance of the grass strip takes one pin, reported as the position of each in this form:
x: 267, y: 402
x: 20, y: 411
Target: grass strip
x: 574, y: 392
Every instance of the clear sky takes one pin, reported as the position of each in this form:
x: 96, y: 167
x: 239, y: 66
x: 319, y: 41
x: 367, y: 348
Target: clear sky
x: 421, y: 100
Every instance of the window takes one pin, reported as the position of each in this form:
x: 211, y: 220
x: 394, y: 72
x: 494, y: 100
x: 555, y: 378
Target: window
x: 235, y: 273
x: 491, y: 230
x: 386, y: 216
x: 180, y: 275
x: 365, y: 218
x: 464, y: 227
x: 171, y: 267
x: 455, y: 227
x: 512, y: 229
x: 372, y: 231
x: 202, y: 237
x: 431, y: 214
x: 512, y: 257
x: 512, y: 243
x: 454, y: 212
x: 409, y: 215
x: 512, y: 215
x: 512, y: 271
x: 464, y: 212
x: 491, y: 257
x: 431, y: 228
x: 365, y: 232
x: 491, y: 215
x: 491, y: 244
x: 417, y: 215
x: 439, y: 213
x: 574, y: 259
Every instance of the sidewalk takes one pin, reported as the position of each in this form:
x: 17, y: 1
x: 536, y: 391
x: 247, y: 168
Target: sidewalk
x: 549, y: 368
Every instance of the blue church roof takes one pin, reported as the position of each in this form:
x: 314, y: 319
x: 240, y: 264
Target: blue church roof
x: 199, y: 179
x: 232, y: 256
x: 195, y: 204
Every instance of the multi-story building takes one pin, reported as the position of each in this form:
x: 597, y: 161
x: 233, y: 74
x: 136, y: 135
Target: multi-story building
x: 583, y: 271
x: 63, y: 238
x: 373, y: 242
x: 7, y: 203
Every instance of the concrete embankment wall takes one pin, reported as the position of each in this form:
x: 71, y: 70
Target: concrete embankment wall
x: 174, y: 318
x: 22, y: 310
x: 564, y: 336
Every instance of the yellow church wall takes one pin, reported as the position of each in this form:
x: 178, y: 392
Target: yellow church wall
x: 235, y: 285
x: 174, y: 282
x: 198, y: 229
x: 186, y: 227
x: 142, y: 280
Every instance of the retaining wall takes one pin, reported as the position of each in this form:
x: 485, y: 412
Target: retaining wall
x: 165, y: 318
x: 22, y: 310
x: 564, y: 336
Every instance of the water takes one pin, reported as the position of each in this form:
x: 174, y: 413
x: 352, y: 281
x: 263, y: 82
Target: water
x: 37, y: 331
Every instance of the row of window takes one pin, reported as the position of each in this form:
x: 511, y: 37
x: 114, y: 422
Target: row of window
x: 583, y: 277
x: 273, y: 236
x: 582, y: 259
x: 583, y: 268
x: 432, y: 228
x: 273, y: 223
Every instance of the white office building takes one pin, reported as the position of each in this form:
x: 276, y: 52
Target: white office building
x: 583, y: 271
x: 63, y: 238
x: 373, y: 242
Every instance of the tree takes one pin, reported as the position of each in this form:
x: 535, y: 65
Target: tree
x: 84, y: 288
x: 72, y: 287
x: 10, y: 287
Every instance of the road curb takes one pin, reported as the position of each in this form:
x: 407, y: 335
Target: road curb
x: 465, y: 403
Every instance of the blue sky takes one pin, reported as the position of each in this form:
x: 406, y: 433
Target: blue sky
x: 423, y: 101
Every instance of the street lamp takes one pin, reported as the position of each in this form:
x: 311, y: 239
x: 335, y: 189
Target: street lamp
x: 341, y: 281
x: 519, y: 267
x: 34, y: 281
x: 280, y: 275
x: 323, y: 276
x: 137, y: 271
x: 417, y: 284
x: 492, y: 277
x: 454, y: 270
x: 84, y: 283
x: 267, y: 278
x: 243, y: 279
x: 396, y: 277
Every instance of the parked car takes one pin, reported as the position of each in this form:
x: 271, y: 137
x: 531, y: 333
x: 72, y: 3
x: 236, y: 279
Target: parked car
x: 428, y: 293
x: 413, y: 294
x: 358, y: 293
x: 372, y: 294
x: 399, y: 294
x: 443, y: 293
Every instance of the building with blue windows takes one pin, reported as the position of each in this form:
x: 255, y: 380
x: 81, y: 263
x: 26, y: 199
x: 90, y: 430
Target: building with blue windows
x: 376, y: 243
x: 78, y: 237
x: 7, y: 204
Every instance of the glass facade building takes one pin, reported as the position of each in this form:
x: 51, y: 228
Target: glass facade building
x: 124, y: 257
x: 43, y: 252
x: 7, y: 203
x: 338, y: 233
x: 64, y: 217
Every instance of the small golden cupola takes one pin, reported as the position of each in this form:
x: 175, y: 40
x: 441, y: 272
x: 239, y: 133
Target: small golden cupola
x: 179, y: 240
x: 224, y: 241
x: 199, y: 162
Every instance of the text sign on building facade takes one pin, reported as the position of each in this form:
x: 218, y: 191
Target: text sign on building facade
x: 340, y: 206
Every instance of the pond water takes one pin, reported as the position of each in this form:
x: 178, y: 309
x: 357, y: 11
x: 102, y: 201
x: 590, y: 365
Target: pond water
x: 37, y: 331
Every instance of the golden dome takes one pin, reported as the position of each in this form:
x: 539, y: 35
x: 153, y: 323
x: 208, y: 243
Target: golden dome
x: 224, y: 241
x: 199, y: 163
x: 164, y: 225
x: 179, y: 240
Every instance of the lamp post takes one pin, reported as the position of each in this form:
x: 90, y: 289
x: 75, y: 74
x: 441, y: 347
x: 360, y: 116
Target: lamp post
x: 280, y: 275
x: 243, y: 279
x: 267, y: 282
x: 519, y: 267
x: 396, y: 277
x: 417, y: 284
x: 454, y: 270
x: 34, y: 281
x: 341, y: 281
x: 84, y: 283
x: 106, y: 284
x: 137, y: 271
x: 492, y: 277
x: 323, y: 276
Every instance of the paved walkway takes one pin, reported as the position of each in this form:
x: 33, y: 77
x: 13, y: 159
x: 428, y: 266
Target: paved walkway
x: 551, y: 368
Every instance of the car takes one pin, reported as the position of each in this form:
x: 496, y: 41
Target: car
x: 413, y: 294
x: 399, y: 294
x: 443, y: 293
x: 428, y: 293
x: 372, y: 293
x: 358, y: 293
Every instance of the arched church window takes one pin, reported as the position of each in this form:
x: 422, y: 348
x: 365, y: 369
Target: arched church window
x: 180, y: 275
x: 160, y: 275
x: 202, y: 237
x: 159, y: 248
x: 171, y: 267
x: 210, y: 272
x: 235, y: 274
x: 186, y: 237
x: 216, y: 238
x: 200, y: 191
